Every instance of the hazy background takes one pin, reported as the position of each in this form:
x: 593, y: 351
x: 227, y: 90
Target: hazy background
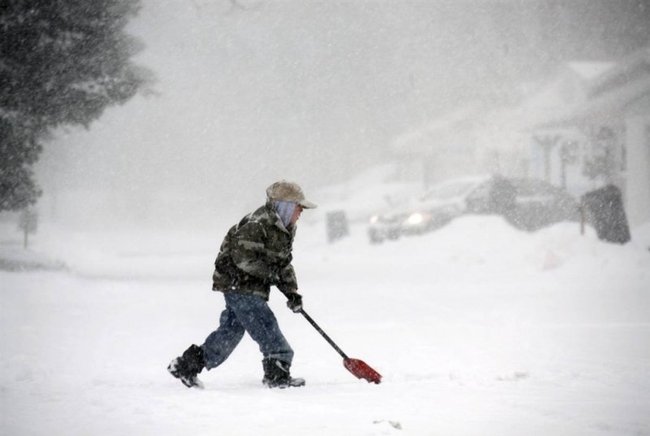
x: 251, y: 91
x: 536, y: 333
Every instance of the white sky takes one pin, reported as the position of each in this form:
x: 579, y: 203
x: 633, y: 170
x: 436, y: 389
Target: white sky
x: 312, y: 91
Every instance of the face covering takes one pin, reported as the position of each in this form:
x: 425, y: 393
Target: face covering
x: 285, y: 211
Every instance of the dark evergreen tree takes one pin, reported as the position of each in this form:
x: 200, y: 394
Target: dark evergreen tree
x: 62, y: 62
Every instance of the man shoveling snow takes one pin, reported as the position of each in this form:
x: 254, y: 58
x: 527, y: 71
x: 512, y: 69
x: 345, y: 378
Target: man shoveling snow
x: 255, y: 254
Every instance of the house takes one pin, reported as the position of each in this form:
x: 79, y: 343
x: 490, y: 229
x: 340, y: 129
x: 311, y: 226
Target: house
x: 555, y: 151
x: 440, y: 149
x: 484, y: 137
x: 474, y: 139
x: 607, y: 134
x: 586, y: 126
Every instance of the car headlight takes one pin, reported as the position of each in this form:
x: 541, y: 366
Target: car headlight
x: 415, y: 219
x: 374, y: 219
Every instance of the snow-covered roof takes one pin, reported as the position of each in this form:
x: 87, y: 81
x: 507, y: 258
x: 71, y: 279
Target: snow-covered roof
x: 606, y: 106
x: 623, y: 71
x: 555, y: 104
x: 567, y: 88
x: 590, y: 70
x: 612, y: 93
x: 440, y: 130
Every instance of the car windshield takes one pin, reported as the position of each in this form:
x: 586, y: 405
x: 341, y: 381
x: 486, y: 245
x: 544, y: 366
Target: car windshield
x: 450, y: 190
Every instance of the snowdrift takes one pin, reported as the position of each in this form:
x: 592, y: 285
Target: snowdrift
x: 477, y: 328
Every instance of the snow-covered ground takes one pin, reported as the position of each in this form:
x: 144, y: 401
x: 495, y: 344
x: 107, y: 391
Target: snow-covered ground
x: 478, y: 329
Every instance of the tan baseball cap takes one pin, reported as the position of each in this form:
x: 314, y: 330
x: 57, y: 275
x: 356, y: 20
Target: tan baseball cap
x: 288, y: 191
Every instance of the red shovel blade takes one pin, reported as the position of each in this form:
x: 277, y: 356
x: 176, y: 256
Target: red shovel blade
x: 361, y: 370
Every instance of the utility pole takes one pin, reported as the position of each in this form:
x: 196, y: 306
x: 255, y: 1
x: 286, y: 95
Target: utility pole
x: 28, y: 223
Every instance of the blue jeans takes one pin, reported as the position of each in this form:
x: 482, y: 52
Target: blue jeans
x: 246, y: 313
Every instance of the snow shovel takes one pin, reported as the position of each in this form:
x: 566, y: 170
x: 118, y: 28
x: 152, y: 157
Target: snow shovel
x: 358, y: 368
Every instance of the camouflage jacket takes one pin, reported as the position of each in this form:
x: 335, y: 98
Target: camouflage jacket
x: 255, y: 254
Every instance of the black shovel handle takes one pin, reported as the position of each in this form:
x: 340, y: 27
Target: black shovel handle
x: 323, y: 334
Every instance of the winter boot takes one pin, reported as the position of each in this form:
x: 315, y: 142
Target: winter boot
x: 276, y: 374
x: 188, y: 366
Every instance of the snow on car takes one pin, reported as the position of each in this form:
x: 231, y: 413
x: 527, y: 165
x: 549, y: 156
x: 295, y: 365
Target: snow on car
x: 527, y: 204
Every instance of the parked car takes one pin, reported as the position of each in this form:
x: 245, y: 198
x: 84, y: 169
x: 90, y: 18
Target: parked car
x: 527, y: 204
x: 538, y: 204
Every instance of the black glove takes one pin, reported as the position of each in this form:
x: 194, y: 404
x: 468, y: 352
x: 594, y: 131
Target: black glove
x: 294, y: 302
